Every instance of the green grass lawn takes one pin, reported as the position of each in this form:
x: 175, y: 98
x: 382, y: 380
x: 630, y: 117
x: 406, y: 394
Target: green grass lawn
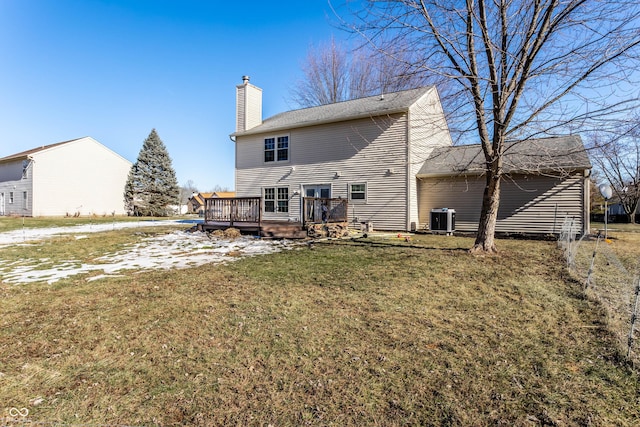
x: 615, y: 227
x: 378, y: 332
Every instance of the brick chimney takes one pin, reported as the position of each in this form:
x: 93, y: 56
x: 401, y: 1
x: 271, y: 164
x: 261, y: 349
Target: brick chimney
x: 248, y: 105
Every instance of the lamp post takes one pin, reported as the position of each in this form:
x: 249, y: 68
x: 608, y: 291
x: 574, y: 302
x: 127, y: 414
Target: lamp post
x: 605, y: 190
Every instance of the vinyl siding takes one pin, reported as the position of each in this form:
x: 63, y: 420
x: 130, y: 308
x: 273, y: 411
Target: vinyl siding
x: 11, y: 180
x: 249, y: 107
x: 241, y: 109
x: 528, y: 203
x: 427, y: 130
x: 359, y: 151
x: 254, y: 106
x: 82, y: 177
x: 10, y: 171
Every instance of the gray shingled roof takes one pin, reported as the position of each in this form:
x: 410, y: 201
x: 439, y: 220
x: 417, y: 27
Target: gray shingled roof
x: 545, y: 155
x: 371, y: 106
x: 24, y: 154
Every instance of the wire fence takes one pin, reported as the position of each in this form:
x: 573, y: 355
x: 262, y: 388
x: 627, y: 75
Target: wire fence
x: 593, y: 261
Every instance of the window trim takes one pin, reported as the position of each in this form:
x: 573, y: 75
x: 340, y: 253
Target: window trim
x: 269, y: 203
x: 364, y: 192
x: 280, y: 204
x: 275, y: 150
x: 10, y: 197
x: 25, y: 169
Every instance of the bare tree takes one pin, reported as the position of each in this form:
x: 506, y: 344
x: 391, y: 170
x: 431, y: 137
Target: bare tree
x: 218, y: 188
x: 333, y: 73
x: 186, y: 190
x: 523, y: 68
x: 617, y: 159
x: 326, y: 70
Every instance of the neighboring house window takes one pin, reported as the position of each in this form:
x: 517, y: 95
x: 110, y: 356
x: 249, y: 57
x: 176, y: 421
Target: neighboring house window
x: 24, y: 200
x: 358, y: 191
x: 10, y: 196
x: 276, y: 199
x: 276, y: 149
x: 25, y: 166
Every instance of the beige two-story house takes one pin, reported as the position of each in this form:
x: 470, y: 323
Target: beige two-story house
x: 367, y: 151
x: 391, y: 157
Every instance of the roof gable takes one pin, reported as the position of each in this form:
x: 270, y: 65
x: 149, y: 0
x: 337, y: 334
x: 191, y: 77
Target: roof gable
x: 224, y: 194
x: 371, y: 106
x: 45, y: 148
x: 25, y: 154
x: 544, y: 155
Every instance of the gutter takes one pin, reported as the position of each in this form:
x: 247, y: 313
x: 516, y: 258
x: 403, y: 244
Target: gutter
x: 480, y: 172
x: 258, y: 130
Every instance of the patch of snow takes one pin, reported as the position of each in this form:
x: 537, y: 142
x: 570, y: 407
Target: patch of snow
x: 179, y: 249
x: 34, y: 234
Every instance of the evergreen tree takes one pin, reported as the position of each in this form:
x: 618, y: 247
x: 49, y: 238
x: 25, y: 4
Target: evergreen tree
x: 152, y: 185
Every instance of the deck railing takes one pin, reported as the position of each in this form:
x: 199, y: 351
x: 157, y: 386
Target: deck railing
x: 315, y: 210
x: 232, y: 210
x: 318, y: 210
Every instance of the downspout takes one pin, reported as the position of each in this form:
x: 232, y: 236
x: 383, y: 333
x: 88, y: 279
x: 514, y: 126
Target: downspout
x: 409, y: 196
x: 235, y: 161
x: 586, y: 211
x: 31, y: 164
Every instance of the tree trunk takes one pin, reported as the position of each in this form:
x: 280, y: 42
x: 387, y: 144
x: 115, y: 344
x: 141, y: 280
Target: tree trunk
x: 485, y: 239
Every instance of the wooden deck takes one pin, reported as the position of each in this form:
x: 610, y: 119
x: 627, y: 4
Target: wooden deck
x: 265, y: 229
x: 245, y: 214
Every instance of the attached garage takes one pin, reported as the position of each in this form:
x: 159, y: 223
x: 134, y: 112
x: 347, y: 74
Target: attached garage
x: 545, y: 183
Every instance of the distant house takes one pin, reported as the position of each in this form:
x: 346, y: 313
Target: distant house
x: 616, y: 212
x: 391, y: 158
x: 197, y: 200
x: 76, y: 177
x: 616, y: 209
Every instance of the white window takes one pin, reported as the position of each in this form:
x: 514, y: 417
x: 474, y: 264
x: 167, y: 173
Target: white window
x: 25, y: 205
x: 276, y: 199
x: 358, y: 191
x: 269, y: 149
x: 276, y: 149
x: 11, y: 197
x: 25, y: 166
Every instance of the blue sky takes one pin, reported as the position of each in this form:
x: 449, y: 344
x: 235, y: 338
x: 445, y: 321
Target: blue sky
x: 115, y: 69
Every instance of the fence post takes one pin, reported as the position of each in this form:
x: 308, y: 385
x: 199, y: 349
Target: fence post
x: 567, y: 237
x: 593, y: 259
x: 633, y: 318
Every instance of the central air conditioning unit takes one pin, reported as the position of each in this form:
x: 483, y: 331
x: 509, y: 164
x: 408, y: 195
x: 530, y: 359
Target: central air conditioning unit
x: 443, y: 220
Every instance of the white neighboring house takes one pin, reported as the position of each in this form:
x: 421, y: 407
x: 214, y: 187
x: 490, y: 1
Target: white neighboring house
x: 77, y: 177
